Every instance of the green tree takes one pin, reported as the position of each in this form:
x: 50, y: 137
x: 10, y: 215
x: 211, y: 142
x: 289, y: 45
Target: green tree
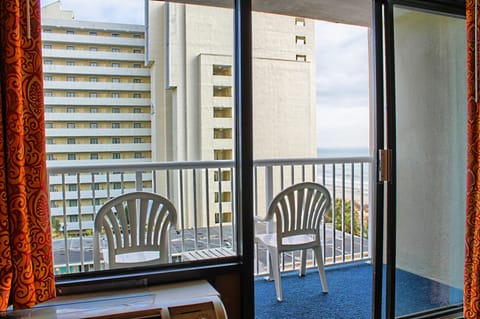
x: 345, y: 209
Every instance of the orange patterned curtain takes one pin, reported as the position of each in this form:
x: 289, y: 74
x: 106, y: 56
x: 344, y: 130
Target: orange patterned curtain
x: 472, y: 244
x: 26, y: 265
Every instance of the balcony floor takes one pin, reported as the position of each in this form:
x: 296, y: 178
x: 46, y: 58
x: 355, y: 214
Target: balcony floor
x: 349, y: 296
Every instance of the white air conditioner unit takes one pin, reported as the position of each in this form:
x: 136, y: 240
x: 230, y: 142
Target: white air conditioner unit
x: 187, y: 300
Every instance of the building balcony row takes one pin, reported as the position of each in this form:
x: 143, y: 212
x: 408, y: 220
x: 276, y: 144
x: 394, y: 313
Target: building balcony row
x: 96, y: 101
x: 93, y: 55
x: 98, y: 148
x: 92, y: 40
x: 97, y: 117
x: 95, y: 70
x: 97, y: 132
x: 96, y: 86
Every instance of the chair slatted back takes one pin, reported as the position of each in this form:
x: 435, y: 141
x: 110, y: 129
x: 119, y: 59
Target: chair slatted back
x: 299, y: 209
x: 135, y: 222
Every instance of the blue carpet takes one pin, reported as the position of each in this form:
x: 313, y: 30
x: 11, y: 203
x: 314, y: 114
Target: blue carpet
x: 349, y: 296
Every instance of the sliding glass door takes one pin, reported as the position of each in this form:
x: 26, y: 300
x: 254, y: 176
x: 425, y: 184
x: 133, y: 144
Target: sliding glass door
x: 426, y: 116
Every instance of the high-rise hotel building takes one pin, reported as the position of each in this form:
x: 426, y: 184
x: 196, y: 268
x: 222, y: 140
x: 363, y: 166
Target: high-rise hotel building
x: 191, y: 52
x: 97, y: 104
x: 104, y: 102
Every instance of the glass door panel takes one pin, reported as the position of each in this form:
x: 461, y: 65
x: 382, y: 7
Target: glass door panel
x: 430, y: 156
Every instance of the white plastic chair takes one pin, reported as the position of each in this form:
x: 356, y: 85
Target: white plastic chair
x: 136, y: 226
x: 297, y: 212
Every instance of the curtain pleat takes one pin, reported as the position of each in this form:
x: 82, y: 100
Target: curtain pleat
x: 26, y: 264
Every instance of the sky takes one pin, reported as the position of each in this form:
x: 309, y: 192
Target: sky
x: 341, y: 69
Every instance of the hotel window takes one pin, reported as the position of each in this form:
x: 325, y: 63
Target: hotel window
x: 137, y: 95
x: 137, y: 140
x: 70, y: 110
x: 115, y: 140
x: 70, y: 32
x: 70, y: 47
x: 115, y: 110
x: 92, y: 33
x: 48, y: 109
x: 115, y: 65
x: 115, y: 155
x: 93, y: 140
x: 47, y: 46
x: 300, y: 40
x: 222, y: 133
x: 225, y: 70
x: 93, y: 49
x: 92, y: 94
x: 115, y: 125
x: 50, y: 157
x: 137, y: 80
x: 225, y: 176
x: 48, y: 93
x: 70, y: 125
x: 138, y: 155
x: 301, y: 58
x: 137, y: 66
x: 117, y: 185
x: 93, y: 125
x: 300, y: 22
x: 96, y: 187
x: 137, y: 36
x: 93, y: 79
x: 73, y: 203
x: 70, y: 63
x: 47, y: 78
x: 137, y: 110
x: 222, y: 91
x: 71, y: 157
x: 137, y: 125
x: 115, y: 50
x: 73, y: 218
x: 71, y: 140
x: 47, y: 30
x: 70, y: 94
x: 226, y: 217
x: 70, y: 79
x: 115, y: 35
x: 94, y: 156
x: 137, y: 51
x: 93, y: 64
x: 72, y: 187
x: 49, y: 140
x: 115, y: 80
x: 222, y: 154
x: 47, y: 62
x: 115, y: 95
x: 48, y: 125
x: 226, y: 197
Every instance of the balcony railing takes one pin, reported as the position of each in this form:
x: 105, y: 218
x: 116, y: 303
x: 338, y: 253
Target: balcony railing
x: 203, y: 193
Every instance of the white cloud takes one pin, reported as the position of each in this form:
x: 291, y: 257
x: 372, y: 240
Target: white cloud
x: 118, y: 11
x: 342, y: 85
x: 342, y: 127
